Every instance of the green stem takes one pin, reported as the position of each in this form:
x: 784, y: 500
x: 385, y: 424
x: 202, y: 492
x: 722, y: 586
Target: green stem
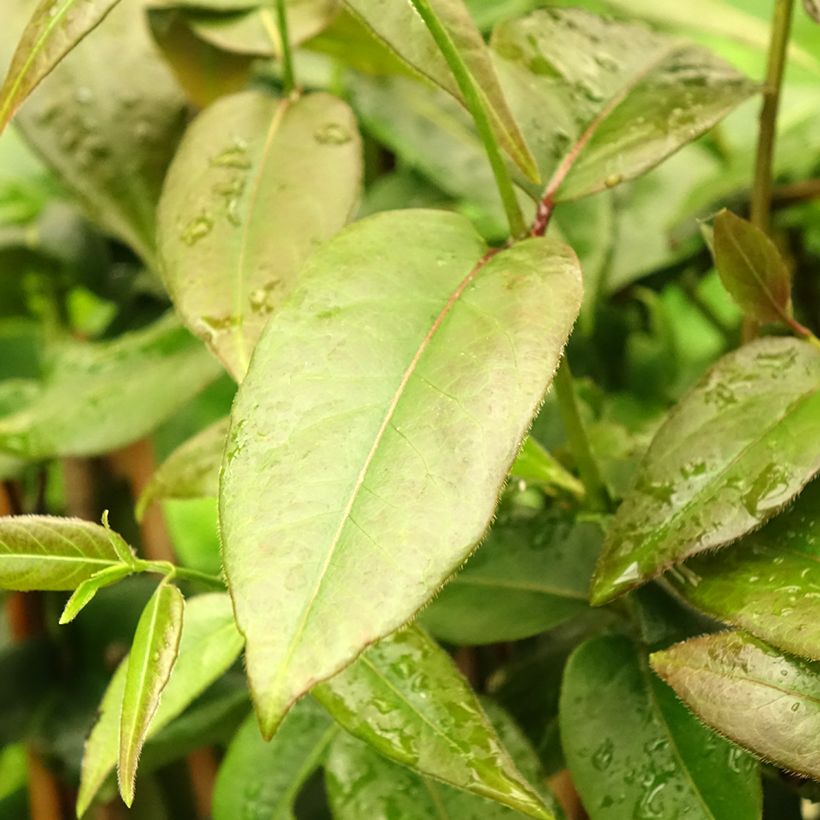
x: 578, y: 440
x: 168, y: 569
x: 778, y: 46
x: 287, y: 56
x: 478, y: 109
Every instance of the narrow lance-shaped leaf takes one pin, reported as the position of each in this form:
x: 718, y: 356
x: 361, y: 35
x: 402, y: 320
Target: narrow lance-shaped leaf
x: 85, y: 592
x: 260, y: 780
x: 257, y: 185
x: 362, y: 783
x: 100, y: 395
x: 635, y: 751
x: 191, y: 471
x: 537, y: 466
x: 107, y: 120
x: 208, y: 646
x: 604, y: 101
x: 153, y: 654
x: 56, y: 26
x: 530, y: 575
x: 400, y: 25
x: 768, y: 584
x: 405, y: 697
x: 51, y: 553
x: 752, y: 269
x: 383, y: 408
x: 733, y: 452
x: 751, y: 693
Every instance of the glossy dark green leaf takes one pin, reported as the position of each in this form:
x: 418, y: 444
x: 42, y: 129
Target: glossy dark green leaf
x: 107, y: 120
x: 54, y: 29
x: 751, y: 693
x: 531, y: 574
x: 752, y: 269
x: 635, y: 751
x: 401, y: 26
x: 152, y: 657
x: 191, y: 471
x: 209, y: 645
x: 257, y: 184
x: 360, y: 783
x: 601, y: 101
x: 85, y: 592
x: 768, y: 584
x: 50, y: 553
x: 100, y: 395
x: 335, y: 481
x: 405, y: 697
x: 260, y: 780
x: 733, y: 452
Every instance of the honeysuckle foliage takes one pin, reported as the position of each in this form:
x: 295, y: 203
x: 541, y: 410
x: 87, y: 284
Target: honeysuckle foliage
x: 295, y: 289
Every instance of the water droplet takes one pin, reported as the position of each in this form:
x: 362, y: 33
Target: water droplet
x: 332, y: 134
x: 197, y: 229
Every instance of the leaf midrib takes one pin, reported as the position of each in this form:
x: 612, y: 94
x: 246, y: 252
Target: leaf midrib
x: 360, y: 479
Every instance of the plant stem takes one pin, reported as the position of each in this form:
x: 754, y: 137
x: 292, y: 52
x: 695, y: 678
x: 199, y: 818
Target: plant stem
x: 478, y: 109
x: 778, y: 46
x: 186, y: 574
x: 578, y: 440
x: 287, y: 55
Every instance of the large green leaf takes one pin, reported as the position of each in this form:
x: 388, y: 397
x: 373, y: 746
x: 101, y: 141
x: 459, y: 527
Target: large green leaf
x: 260, y: 780
x: 635, y: 751
x: 191, y: 471
x: 152, y: 657
x: 256, y: 185
x: 405, y: 697
x: 107, y: 120
x: 54, y: 29
x: 530, y: 575
x: 602, y: 102
x: 768, y: 584
x: 752, y: 269
x: 209, y: 645
x: 751, y: 693
x: 732, y: 453
x: 401, y: 26
x: 101, y: 395
x: 337, y: 483
x: 361, y: 783
x: 50, y: 553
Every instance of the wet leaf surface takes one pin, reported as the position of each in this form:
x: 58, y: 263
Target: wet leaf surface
x: 257, y: 185
x: 766, y: 701
x: 384, y: 406
x: 405, y: 697
x: 768, y: 584
x: 732, y: 453
x: 635, y: 751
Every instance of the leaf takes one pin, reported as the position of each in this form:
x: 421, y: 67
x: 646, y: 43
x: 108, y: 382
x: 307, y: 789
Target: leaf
x: 52, y: 553
x: 152, y: 657
x: 768, y: 583
x: 107, y: 121
x: 401, y: 318
x: 635, y: 751
x: 191, y: 471
x: 596, y: 121
x: 749, y: 692
x: 401, y: 26
x: 405, y: 697
x: 260, y: 780
x: 55, y: 29
x: 257, y: 184
x: 208, y: 646
x: 98, y: 396
x: 86, y: 591
x: 535, y: 465
x: 530, y: 575
x: 360, y: 783
x: 752, y: 269
x: 733, y: 452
